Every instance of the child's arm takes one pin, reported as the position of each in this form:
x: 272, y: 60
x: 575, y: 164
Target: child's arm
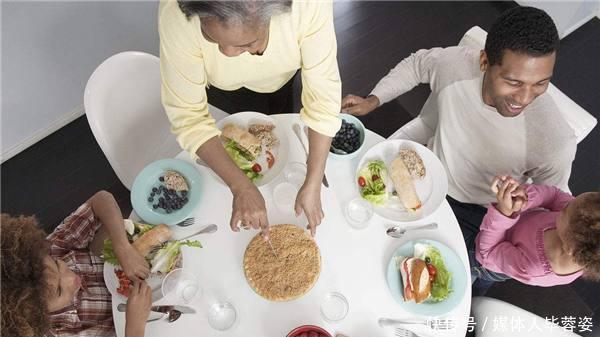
x: 493, y: 251
x: 107, y: 211
x: 548, y: 197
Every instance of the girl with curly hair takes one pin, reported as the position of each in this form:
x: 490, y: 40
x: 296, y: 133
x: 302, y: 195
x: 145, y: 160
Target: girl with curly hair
x: 53, y: 286
x: 538, y: 235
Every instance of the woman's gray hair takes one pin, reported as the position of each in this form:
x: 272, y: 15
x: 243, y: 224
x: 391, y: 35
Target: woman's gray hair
x: 235, y: 11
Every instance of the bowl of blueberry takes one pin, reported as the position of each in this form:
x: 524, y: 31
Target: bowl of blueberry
x: 348, y: 141
x: 166, y: 192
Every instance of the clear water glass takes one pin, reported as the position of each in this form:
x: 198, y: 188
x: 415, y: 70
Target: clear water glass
x: 295, y: 173
x: 334, y: 307
x: 180, y: 285
x: 284, y: 196
x: 221, y: 316
x: 358, y: 213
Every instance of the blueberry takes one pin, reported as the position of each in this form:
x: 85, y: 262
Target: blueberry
x: 161, y: 178
x: 185, y: 200
x: 150, y: 199
x: 155, y: 206
x: 184, y: 193
x: 154, y: 189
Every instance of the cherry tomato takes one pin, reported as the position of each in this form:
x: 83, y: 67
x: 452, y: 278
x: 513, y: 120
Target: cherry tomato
x: 375, y: 177
x: 432, y: 271
x: 361, y: 182
x: 256, y: 168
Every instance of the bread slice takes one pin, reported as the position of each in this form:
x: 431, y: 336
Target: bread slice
x: 415, y: 280
x: 154, y: 237
x: 244, y: 139
x: 404, y: 185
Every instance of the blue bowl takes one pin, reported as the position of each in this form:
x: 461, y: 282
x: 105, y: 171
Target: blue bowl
x: 458, y: 282
x: 148, y: 178
x: 361, y: 137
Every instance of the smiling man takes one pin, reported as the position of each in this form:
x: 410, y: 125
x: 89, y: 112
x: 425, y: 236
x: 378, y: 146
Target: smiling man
x: 489, y: 110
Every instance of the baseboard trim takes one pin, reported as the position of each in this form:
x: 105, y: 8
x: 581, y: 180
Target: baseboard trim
x: 63, y: 120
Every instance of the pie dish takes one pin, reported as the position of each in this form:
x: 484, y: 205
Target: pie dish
x: 290, y: 274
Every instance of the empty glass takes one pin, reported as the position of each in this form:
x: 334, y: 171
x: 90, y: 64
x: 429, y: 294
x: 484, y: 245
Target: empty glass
x: 295, y: 173
x: 358, y: 212
x: 284, y: 196
x: 221, y: 316
x: 180, y: 285
x: 334, y: 307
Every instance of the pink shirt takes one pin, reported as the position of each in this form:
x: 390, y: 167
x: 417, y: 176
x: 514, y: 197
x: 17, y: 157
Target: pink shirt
x: 515, y: 245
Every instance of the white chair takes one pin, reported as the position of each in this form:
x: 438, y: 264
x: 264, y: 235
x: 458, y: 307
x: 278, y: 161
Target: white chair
x: 123, y: 107
x: 578, y: 119
x: 495, y: 318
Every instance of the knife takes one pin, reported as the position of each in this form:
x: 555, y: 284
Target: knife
x: 325, y: 182
x: 122, y: 307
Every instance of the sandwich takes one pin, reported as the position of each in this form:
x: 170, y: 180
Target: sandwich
x: 153, y: 243
x: 244, y: 140
x: 416, y: 281
x: 413, y: 163
x: 405, y: 187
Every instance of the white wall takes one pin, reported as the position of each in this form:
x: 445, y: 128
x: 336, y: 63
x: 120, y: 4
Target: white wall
x: 567, y: 15
x: 49, y: 50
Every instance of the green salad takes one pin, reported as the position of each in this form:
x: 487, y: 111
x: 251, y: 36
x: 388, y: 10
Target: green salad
x: 371, y: 182
x: 440, y: 287
x: 243, y: 160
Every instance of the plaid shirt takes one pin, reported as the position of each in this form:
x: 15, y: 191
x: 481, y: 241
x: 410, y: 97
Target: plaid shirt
x: 90, y: 312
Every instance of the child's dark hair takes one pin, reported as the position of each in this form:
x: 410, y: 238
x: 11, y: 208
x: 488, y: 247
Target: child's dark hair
x: 583, y: 235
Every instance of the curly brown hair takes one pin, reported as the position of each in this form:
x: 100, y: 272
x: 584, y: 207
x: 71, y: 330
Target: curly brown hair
x: 583, y: 233
x: 23, y: 249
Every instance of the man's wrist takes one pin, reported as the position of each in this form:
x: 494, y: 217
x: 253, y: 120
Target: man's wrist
x: 373, y: 101
x: 134, y: 329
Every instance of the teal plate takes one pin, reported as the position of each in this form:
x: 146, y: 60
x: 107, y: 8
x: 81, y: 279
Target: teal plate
x: 458, y: 282
x: 148, y: 178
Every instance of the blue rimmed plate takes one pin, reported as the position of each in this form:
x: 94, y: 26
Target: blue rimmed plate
x: 458, y: 281
x: 149, y: 178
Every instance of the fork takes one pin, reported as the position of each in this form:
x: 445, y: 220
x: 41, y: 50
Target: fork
x: 401, y: 332
x: 434, y: 324
x: 186, y: 222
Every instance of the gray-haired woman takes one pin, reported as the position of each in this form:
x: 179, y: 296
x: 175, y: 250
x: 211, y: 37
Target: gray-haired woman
x: 248, y: 52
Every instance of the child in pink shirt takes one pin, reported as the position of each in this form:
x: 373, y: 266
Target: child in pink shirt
x: 540, y: 235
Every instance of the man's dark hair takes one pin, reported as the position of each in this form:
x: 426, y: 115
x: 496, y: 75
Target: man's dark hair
x: 525, y: 30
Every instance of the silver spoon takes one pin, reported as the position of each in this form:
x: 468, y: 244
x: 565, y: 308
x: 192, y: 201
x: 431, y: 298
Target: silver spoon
x: 174, y: 315
x: 398, y: 232
x: 337, y: 151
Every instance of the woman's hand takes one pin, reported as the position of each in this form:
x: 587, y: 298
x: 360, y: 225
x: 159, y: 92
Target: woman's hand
x: 133, y: 263
x: 358, y: 106
x: 308, y: 201
x: 249, y: 210
x: 510, y: 195
x: 138, y: 309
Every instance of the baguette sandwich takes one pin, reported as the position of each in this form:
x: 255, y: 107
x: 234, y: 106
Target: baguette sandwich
x: 416, y: 281
x: 403, y: 182
x: 245, y: 141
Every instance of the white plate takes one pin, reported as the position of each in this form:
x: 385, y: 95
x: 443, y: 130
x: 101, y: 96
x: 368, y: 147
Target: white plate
x: 431, y: 190
x: 112, y: 283
x: 243, y: 120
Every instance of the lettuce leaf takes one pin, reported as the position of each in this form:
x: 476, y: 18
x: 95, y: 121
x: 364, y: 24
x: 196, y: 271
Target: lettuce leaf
x: 165, y: 258
x: 374, y: 190
x: 242, y: 159
x: 440, y: 288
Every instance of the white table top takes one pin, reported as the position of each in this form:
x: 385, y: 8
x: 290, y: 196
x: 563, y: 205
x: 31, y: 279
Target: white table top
x: 354, y: 263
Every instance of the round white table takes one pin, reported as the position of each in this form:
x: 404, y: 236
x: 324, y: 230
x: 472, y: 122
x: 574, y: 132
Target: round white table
x: 354, y: 262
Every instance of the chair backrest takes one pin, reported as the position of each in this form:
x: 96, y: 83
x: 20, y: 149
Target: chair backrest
x: 496, y: 318
x: 123, y: 107
x: 578, y: 119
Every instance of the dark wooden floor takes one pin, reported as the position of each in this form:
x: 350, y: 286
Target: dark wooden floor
x: 54, y: 176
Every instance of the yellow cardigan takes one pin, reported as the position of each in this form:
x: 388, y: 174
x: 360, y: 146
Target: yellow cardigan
x: 301, y: 39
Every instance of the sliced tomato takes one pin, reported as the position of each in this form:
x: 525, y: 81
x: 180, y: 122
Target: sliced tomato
x: 124, y: 283
x: 256, y: 168
x: 375, y: 177
x: 270, y: 159
x: 361, y: 182
x: 432, y: 271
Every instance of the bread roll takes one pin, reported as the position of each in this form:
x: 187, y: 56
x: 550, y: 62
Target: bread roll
x: 244, y: 139
x: 404, y: 185
x: 154, y: 237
